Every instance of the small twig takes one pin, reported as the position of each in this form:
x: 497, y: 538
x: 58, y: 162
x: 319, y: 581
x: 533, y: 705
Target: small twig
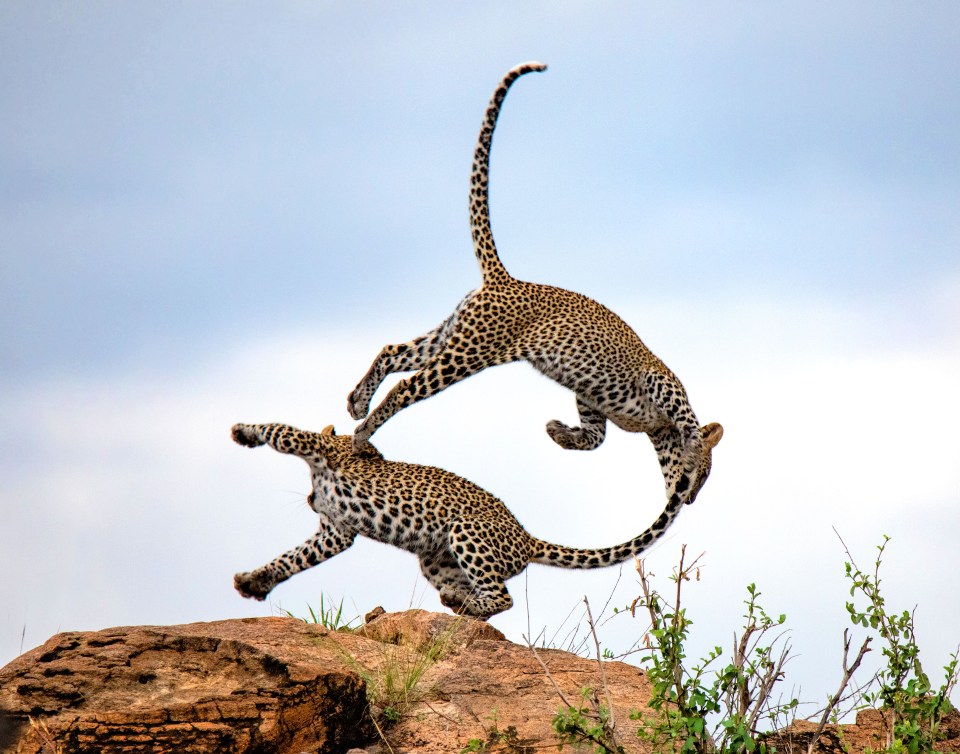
x: 677, y: 617
x: 546, y: 670
x: 43, y: 733
x: 553, y: 639
x: 613, y: 591
x: 603, y: 673
x: 848, y: 672
x: 380, y: 731
x: 854, y: 693
x: 769, y: 679
x: 740, y: 651
x: 608, y: 729
x: 438, y: 713
x: 680, y: 576
x: 526, y: 594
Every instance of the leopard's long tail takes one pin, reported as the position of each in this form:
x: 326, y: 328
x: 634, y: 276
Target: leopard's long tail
x: 483, y: 245
x: 571, y: 557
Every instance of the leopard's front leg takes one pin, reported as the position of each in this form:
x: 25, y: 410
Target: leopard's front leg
x: 402, y: 357
x: 327, y: 542
x: 281, y: 437
x: 449, y: 366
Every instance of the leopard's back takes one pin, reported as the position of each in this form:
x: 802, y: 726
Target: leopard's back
x: 414, y: 506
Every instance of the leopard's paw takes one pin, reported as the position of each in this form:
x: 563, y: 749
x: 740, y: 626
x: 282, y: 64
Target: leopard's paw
x: 252, y: 586
x: 452, y: 599
x: 357, y: 405
x: 564, y: 436
x: 245, y: 434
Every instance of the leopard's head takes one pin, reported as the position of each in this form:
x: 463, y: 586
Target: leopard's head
x: 711, y: 434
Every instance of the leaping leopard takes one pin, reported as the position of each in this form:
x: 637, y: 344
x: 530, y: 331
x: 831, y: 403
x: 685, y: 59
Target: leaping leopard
x: 568, y: 337
x: 467, y: 540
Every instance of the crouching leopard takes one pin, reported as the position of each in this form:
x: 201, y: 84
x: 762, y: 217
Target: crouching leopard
x: 467, y: 540
x: 566, y: 336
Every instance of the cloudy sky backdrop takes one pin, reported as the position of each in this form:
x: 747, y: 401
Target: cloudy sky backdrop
x: 219, y: 212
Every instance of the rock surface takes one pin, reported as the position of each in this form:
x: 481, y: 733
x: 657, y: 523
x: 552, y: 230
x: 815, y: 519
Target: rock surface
x: 404, y: 682
x: 869, y: 733
x: 270, y: 684
x: 280, y: 685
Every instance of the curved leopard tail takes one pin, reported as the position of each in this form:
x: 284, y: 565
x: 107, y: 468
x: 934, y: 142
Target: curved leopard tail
x: 572, y: 557
x: 483, y: 245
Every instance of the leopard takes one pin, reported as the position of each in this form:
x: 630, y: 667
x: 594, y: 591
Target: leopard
x: 570, y: 338
x: 467, y: 541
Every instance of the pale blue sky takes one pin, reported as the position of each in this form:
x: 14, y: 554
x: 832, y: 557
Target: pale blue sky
x: 219, y: 212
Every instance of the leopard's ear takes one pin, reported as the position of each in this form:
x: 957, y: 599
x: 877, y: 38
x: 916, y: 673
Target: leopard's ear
x: 711, y: 433
x: 328, y: 431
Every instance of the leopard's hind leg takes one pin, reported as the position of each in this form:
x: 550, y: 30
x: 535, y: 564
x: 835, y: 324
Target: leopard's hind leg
x: 488, y: 591
x: 327, y: 542
x: 401, y: 357
x: 589, y: 435
x: 444, y: 573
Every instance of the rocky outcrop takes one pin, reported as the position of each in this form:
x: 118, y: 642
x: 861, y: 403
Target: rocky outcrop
x: 435, y: 683
x: 496, y: 693
x: 271, y: 684
x: 869, y: 733
x: 404, y: 682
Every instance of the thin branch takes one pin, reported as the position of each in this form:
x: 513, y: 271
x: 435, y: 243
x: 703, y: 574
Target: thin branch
x: 740, y: 653
x: 603, y: 673
x: 678, y: 669
x: 769, y: 679
x: 445, y: 716
x: 848, y: 672
x: 546, y: 670
x: 380, y: 731
x: 607, y: 732
x: 613, y: 591
x: 680, y: 575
